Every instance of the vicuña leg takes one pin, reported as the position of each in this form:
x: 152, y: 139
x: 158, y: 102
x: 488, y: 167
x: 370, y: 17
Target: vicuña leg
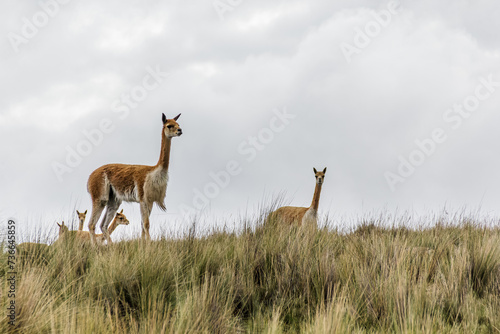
x: 111, y: 209
x: 97, y: 208
x: 145, y: 212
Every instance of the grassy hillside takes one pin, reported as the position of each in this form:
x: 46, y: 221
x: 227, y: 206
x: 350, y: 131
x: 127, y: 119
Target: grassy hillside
x: 268, y: 280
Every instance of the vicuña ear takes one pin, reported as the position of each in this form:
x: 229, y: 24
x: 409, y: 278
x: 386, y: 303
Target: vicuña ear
x: 315, y: 171
x: 324, y: 170
x: 164, y: 118
x: 176, y: 117
x: 77, y: 212
x: 59, y: 225
x: 121, y: 211
x: 85, y: 212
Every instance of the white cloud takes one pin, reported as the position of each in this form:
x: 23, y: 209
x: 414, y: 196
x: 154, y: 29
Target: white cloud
x: 261, y: 20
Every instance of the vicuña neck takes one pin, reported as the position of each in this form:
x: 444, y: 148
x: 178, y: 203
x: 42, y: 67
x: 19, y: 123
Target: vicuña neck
x: 315, y: 201
x: 112, y: 226
x: 165, y: 152
x: 80, y: 226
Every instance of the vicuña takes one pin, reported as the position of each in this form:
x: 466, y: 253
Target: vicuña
x: 81, y: 219
x: 109, y: 185
x: 293, y: 214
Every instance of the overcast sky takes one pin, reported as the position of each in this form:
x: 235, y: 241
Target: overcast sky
x: 399, y: 100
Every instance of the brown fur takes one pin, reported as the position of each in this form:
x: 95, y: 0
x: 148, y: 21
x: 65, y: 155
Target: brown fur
x: 289, y: 214
x: 63, y: 230
x: 109, y: 185
x: 81, y: 219
x: 65, y: 234
x: 295, y: 215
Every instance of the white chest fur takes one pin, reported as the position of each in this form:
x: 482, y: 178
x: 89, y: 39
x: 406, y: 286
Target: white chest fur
x: 156, y: 185
x: 310, y: 216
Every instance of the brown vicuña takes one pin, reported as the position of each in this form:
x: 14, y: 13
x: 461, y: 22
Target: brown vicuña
x: 109, y: 185
x: 293, y: 214
x: 81, y: 219
x: 63, y: 230
x: 65, y: 233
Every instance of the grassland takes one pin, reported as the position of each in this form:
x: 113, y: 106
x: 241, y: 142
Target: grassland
x: 266, y: 280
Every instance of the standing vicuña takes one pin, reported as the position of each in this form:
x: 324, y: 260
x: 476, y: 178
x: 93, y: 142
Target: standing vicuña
x: 291, y: 214
x: 109, y: 185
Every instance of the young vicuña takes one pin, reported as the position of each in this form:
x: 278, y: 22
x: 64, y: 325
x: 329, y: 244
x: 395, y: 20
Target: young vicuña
x: 65, y: 234
x: 81, y: 219
x: 109, y: 185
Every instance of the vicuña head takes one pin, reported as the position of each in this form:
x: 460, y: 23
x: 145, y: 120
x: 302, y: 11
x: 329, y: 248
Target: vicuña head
x: 109, y: 185
x: 65, y: 234
x: 307, y: 216
x: 120, y: 219
x: 81, y: 219
x: 62, y: 229
x: 320, y: 176
x: 170, y: 126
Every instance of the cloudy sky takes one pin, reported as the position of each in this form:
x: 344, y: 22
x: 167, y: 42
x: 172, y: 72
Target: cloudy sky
x: 399, y: 100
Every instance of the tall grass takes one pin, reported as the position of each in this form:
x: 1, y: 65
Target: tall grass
x: 267, y: 280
